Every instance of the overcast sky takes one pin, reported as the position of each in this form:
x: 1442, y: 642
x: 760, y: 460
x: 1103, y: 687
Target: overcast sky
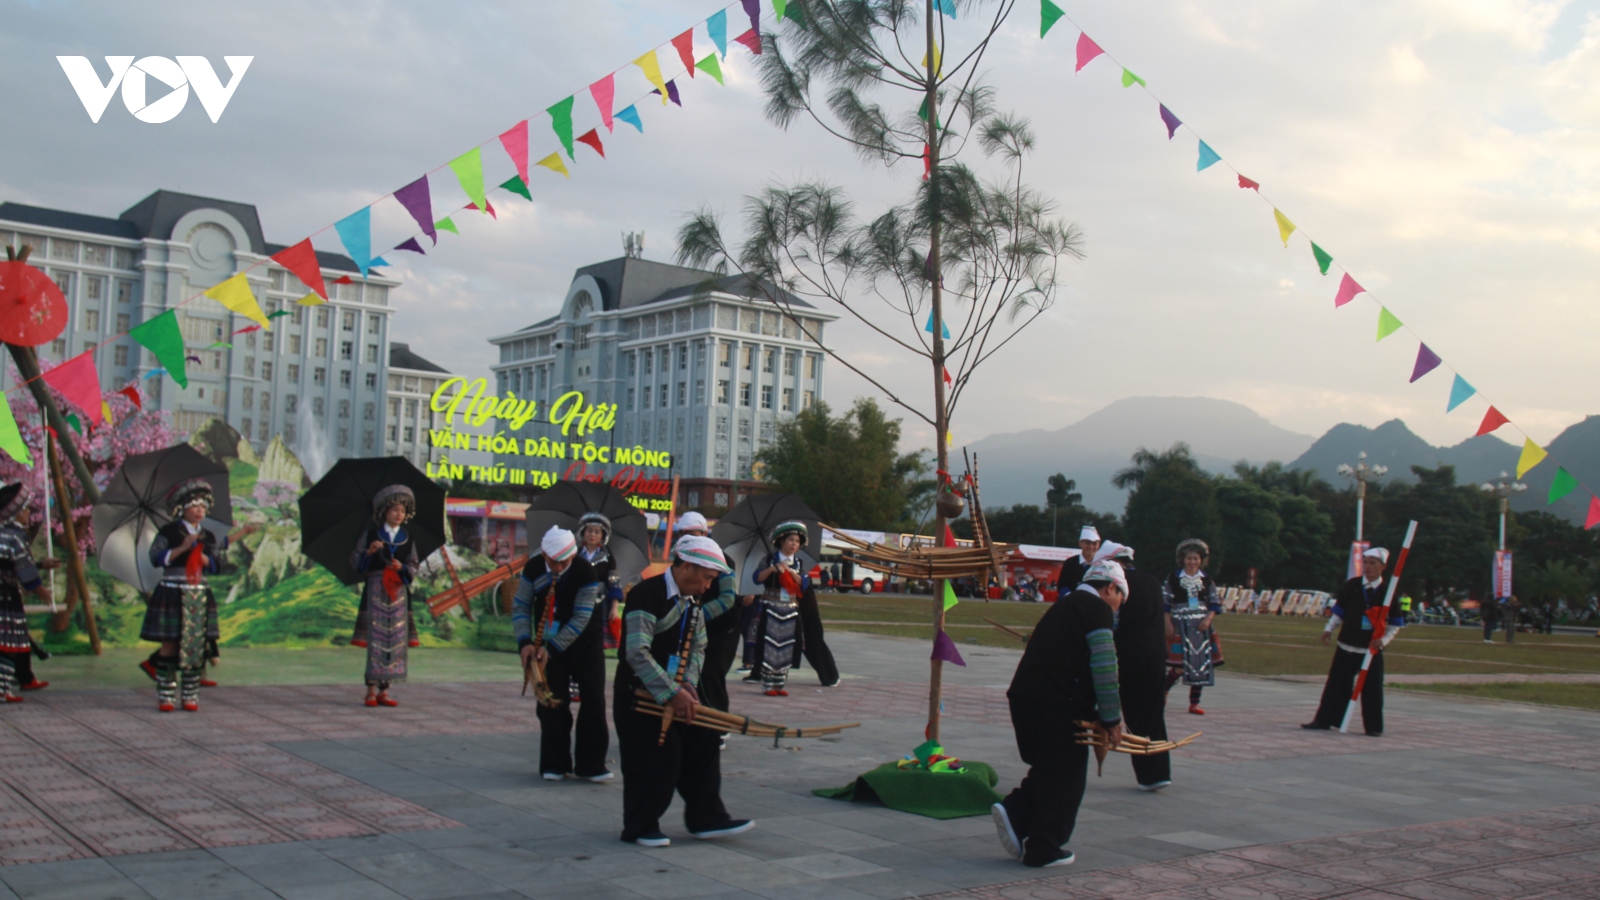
x: 1444, y: 150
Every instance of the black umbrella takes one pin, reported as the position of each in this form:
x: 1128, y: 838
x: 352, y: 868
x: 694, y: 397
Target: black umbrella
x: 133, y: 507
x: 745, y: 533
x: 337, y: 508
x: 566, y: 501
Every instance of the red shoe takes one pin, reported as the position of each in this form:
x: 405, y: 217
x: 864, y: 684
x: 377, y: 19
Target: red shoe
x: 13, y: 698
x: 358, y: 643
x: 778, y: 693
x: 206, y: 682
x: 191, y: 706
x: 166, y: 707
x: 386, y: 700
x: 372, y: 701
x: 148, y: 667
x: 1195, y: 710
x: 414, y: 643
x: 36, y: 685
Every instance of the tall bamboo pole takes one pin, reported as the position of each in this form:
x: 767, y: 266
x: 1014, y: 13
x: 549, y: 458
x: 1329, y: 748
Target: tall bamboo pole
x: 941, y: 420
x: 69, y: 535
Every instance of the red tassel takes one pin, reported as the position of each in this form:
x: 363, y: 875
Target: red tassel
x: 391, y: 582
x: 789, y: 582
x: 192, y: 567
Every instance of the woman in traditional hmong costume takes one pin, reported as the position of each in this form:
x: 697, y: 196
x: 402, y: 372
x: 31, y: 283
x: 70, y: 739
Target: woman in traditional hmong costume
x: 779, y: 635
x: 594, y: 545
x: 182, y: 612
x: 17, y: 574
x: 388, y: 556
x: 1192, y: 603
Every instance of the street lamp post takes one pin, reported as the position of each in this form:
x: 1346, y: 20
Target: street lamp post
x: 1505, y: 490
x: 1362, y: 473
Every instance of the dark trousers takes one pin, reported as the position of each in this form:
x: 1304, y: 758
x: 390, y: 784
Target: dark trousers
x: 749, y: 621
x: 722, y: 645
x: 585, y: 665
x: 689, y: 761
x: 1488, y: 628
x: 1341, y: 684
x: 24, y: 667
x: 812, y: 645
x: 1044, y: 807
x: 1144, y: 714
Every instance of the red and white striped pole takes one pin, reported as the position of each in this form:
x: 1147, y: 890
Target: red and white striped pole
x: 1377, y: 637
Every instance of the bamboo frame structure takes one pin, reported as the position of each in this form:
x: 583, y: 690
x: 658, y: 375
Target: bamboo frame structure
x: 922, y: 562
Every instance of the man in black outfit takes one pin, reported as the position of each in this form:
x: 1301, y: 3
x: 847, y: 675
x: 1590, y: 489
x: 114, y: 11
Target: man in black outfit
x: 1141, y: 638
x: 1067, y: 673
x: 721, y: 608
x: 1072, y: 570
x: 1354, y: 626
x: 663, y: 649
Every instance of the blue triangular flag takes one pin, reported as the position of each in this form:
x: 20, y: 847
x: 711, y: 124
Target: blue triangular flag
x: 1459, y: 392
x: 948, y: 7
x: 1208, y: 158
x: 717, y: 27
x: 376, y: 262
x: 943, y: 326
x: 355, y: 232
x: 631, y: 116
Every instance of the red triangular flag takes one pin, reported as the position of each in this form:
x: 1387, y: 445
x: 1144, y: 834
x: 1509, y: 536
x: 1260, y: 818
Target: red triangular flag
x: 1594, y: 513
x: 342, y: 279
x: 132, y: 393
x: 927, y: 162
x: 1491, y: 420
x: 77, y: 380
x: 752, y: 40
x: 592, y: 138
x: 684, y: 44
x: 487, y: 207
x: 1249, y: 185
x: 949, y: 537
x: 301, y: 259
x: 248, y: 329
x: 947, y: 378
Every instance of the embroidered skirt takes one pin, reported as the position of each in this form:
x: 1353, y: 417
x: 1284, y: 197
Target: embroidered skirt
x: 778, y: 634
x: 13, y: 622
x: 182, y: 612
x: 385, y: 626
x: 1194, y: 650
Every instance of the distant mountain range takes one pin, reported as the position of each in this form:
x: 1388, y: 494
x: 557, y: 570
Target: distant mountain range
x: 1014, y: 466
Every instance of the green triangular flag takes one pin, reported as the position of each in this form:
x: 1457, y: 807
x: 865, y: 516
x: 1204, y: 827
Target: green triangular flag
x: 1323, y: 259
x: 930, y: 748
x: 949, y: 596
x: 1562, y: 485
x: 447, y: 224
x: 73, y: 423
x: 1048, y: 14
x: 1128, y: 79
x: 516, y: 185
x: 1387, y: 323
x: 779, y: 7
x: 278, y: 315
x: 561, y: 123
x: 11, y: 436
x: 162, y: 337
x: 469, y: 171
x: 711, y: 67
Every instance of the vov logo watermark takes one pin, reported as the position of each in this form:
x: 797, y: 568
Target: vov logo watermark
x: 133, y: 78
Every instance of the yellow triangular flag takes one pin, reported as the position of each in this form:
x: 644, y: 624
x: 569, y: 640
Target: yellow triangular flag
x: 105, y: 410
x: 938, y: 61
x: 311, y: 299
x: 235, y: 295
x: 652, y: 73
x: 553, y: 163
x: 1285, y: 227
x: 1532, y: 455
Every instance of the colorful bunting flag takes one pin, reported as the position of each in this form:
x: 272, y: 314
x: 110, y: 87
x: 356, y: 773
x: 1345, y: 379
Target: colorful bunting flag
x: 592, y: 138
x: 1562, y: 485
x: 1491, y: 420
x: 346, y: 279
x: 469, y: 171
x: 1427, y: 361
x: 672, y: 92
x: 1246, y: 184
x: 301, y: 261
x: 377, y: 261
x: 710, y: 67
x: 220, y: 345
x: 752, y: 8
x: 164, y: 339
x: 947, y: 379
x: 948, y: 7
x: 945, y: 650
x: 752, y: 40
x: 487, y: 207
x: 411, y: 244
x: 780, y: 7
x: 1171, y: 121
x: 515, y: 140
x: 950, y: 599
x: 1049, y: 13
x: 1532, y: 455
x: 278, y: 315
x: 1321, y: 256
x: 419, y: 203
x: 561, y: 123
x: 1087, y: 51
x: 517, y: 186
x: 249, y: 328
x: 651, y: 67
x: 717, y: 30
x: 631, y: 116
x: 72, y: 422
x: 235, y: 295
x: 132, y: 393
x: 355, y: 232
x: 154, y: 373
x: 1285, y: 227
x: 938, y: 61
x: 1129, y: 79
x: 944, y: 327
x: 447, y: 224
x: 311, y: 300
x: 1388, y: 323
x: 553, y: 163
x: 1594, y: 514
x: 1348, y: 289
x: 1459, y: 392
x: 77, y: 381
x: 11, y: 436
x: 105, y: 412
x: 1208, y: 157
x: 684, y: 44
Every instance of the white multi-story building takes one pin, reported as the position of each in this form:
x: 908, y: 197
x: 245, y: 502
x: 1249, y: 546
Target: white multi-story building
x: 412, y: 382
x: 701, y: 366
x: 317, y: 376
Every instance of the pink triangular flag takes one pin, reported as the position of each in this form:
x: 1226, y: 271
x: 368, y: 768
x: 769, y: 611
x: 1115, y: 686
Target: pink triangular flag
x: 77, y: 380
x: 487, y: 207
x: 1594, y: 513
x: 751, y: 40
x: 1348, y: 289
x: 1427, y: 361
x: 1087, y: 50
x: 516, y: 143
x: 1249, y: 184
x: 604, y: 92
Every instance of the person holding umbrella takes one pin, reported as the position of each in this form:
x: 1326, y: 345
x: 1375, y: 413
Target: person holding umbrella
x: 18, y: 573
x: 560, y: 590
x: 181, y: 614
x: 790, y: 620
x: 594, y: 533
x: 387, y: 556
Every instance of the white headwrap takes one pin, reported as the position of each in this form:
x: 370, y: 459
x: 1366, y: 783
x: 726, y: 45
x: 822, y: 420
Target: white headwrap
x: 1106, y: 570
x: 1089, y: 533
x: 1377, y: 553
x: 1113, y: 550
x: 700, y: 551
x: 692, y: 521
x: 558, y: 544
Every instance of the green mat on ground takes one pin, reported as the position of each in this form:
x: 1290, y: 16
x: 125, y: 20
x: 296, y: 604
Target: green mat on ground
x: 938, y: 795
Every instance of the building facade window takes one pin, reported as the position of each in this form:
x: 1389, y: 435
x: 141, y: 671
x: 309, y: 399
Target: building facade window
x: 91, y: 320
x: 344, y: 378
x: 119, y: 355
x: 770, y: 361
x: 744, y: 393
x: 766, y: 396
x: 722, y: 391
x: 663, y: 396
x: 347, y: 322
x: 788, y: 399
x: 294, y: 372
x: 289, y: 403
x: 790, y: 363
x: 319, y: 376
x: 372, y: 381
x: 346, y: 349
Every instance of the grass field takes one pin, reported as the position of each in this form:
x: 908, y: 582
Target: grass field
x: 1272, y: 645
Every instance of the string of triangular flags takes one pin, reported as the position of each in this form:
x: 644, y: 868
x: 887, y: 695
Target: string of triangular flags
x: 77, y: 379
x: 1532, y: 454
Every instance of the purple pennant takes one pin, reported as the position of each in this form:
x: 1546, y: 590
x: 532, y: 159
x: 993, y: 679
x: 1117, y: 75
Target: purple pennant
x: 417, y: 201
x: 1172, y: 121
x: 945, y: 649
x: 1427, y: 361
x: 411, y: 244
x: 672, y: 92
x: 752, y: 8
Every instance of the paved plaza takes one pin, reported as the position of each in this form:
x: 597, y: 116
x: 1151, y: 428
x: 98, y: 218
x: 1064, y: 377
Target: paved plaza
x: 300, y: 792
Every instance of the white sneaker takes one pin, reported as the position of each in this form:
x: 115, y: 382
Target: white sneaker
x: 1067, y: 860
x: 596, y: 779
x: 1002, y: 827
x: 551, y: 776
x: 1155, y: 787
